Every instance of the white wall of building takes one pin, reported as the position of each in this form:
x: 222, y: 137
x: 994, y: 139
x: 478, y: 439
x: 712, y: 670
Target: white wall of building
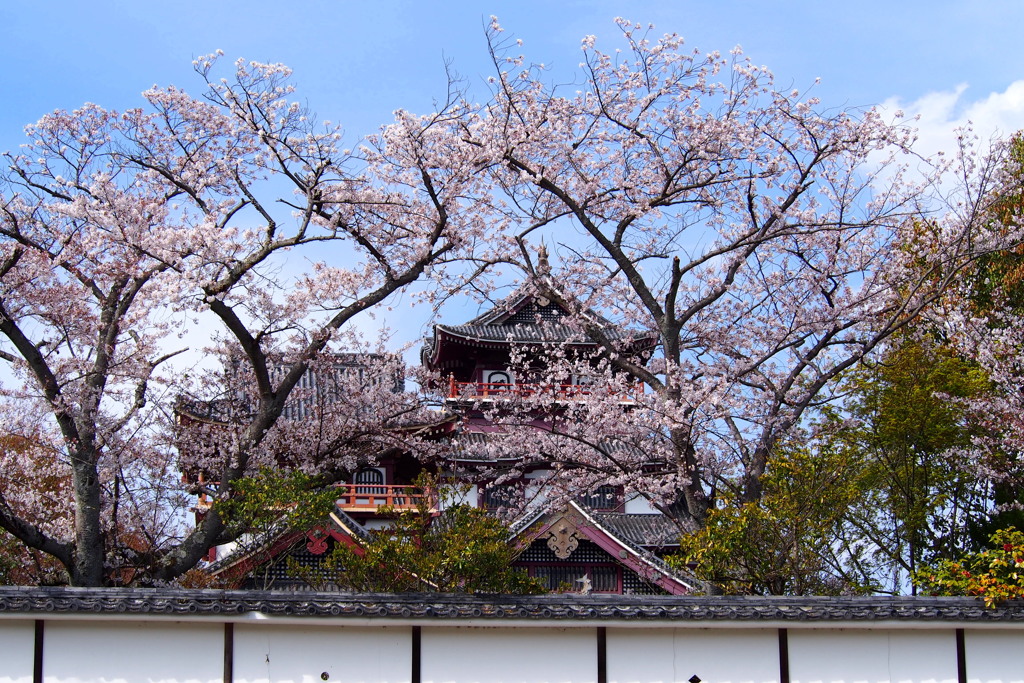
x: 133, y: 652
x: 17, y: 640
x: 85, y: 648
x: 638, y: 505
x: 872, y: 656
x: 995, y: 656
x: 304, y: 654
x: 639, y: 655
x: 506, y: 655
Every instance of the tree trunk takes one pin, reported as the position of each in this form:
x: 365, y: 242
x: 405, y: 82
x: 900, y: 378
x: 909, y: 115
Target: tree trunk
x: 87, y: 567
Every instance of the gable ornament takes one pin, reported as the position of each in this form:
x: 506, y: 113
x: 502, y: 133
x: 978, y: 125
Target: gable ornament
x: 562, y: 539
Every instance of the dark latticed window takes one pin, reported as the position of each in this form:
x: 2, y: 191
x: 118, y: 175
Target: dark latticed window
x: 529, y: 314
x: 603, y: 578
x: 501, y: 496
x: 602, y: 498
x: 587, y: 560
x: 370, y: 481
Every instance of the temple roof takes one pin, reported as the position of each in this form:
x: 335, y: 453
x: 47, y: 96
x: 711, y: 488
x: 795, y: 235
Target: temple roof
x: 526, y: 317
x: 279, y: 538
x: 646, y: 530
x: 470, y: 445
x: 530, y: 333
x: 621, y: 548
x: 473, y: 444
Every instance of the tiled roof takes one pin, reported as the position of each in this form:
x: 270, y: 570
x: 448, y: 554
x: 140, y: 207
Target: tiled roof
x: 643, y: 554
x: 341, y: 521
x: 316, y: 386
x: 519, y: 319
x: 642, y: 530
x: 473, y: 446
x: 338, y: 520
x: 524, y: 333
x: 520, y: 332
x: 470, y: 445
x: 523, y: 297
x: 437, y: 607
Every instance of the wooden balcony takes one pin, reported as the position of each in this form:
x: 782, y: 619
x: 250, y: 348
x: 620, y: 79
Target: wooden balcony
x: 370, y: 497
x: 490, y: 391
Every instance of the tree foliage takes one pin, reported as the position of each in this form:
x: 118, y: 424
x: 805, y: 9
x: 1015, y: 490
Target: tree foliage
x: 907, y: 415
x: 461, y: 550
x: 995, y: 573
x: 876, y: 489
x: 769, y: 243
x: 29, y: 474
x: 983, y: 316
x: 791, y: 540
x: 271, y: 500
x: 122, y: 232
x: 685, y: 196
x: 998, y: 279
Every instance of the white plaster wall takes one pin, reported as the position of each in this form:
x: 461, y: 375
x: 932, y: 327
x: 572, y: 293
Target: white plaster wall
x: 994, y: 656
x: 159, y: 651
x: 872, y: 656
x: 265, y: 653
x: 17, y: 645
x: 223, y: 551
x: 638, y: 505
x: 376, y: 523
x: 132, y: 652
x: 714, y: 655
x: 503, y: 655
x: 459, y: 496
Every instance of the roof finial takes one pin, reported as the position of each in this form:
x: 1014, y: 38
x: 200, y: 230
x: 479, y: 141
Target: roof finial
x: 543, y: 267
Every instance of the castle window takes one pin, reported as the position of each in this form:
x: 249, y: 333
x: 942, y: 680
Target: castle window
x: 604, y: 498
x: 498, y: 379
x: 369, y: 480
x: 566, y: 577
x: 500, y: 496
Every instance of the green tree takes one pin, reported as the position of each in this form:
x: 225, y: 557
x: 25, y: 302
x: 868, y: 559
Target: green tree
x: 273, y: 499
x: 878, y: 488
x: 790, y: 541
x: 920, y: 496
x: 993, y: 296
x: 998, y: 278
x: 460, y: 550
x: 995, y: 573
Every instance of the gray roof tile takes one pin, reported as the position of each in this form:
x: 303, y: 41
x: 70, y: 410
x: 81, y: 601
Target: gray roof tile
x: 434, y: 607
x: 642, y: 530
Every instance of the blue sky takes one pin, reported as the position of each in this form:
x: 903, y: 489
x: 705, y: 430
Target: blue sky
x: 357, y: 62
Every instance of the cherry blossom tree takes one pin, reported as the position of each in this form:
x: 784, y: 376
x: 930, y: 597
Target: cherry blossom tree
x: 982, y: 318
x: 121, y: 232
x: 769, y: 243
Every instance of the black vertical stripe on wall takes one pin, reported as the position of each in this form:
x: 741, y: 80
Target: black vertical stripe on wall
x: 37, y: 653
x: 961, y: 657
x: 415, y: 674
x: 783, y: 655
x: 229, y: 652
x: 602, y: 655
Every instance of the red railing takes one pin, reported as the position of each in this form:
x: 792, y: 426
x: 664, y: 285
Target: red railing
x: 493, y: 390
x: 369, y: 497
x: 363, y: 498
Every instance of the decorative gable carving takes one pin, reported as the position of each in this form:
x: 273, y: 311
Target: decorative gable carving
x: 562, y: 538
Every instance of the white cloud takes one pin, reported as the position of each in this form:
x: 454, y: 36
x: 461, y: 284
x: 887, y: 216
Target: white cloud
x: 940, y: 114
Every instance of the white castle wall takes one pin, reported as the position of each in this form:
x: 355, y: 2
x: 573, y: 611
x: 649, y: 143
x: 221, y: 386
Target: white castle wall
x: 257, y: 648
